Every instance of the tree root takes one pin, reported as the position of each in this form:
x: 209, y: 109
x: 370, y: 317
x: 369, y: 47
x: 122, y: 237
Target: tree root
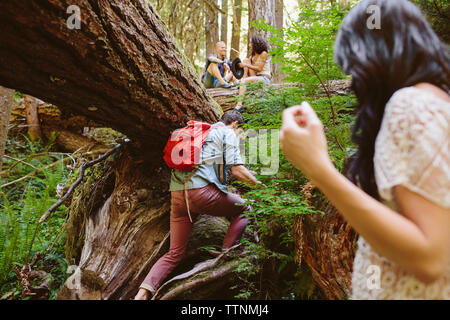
x: 26, y: 273
x: 188, y: 283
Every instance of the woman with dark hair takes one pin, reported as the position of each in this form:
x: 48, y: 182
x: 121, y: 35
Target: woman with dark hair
x: 401, y: 210
x: 257, y: 67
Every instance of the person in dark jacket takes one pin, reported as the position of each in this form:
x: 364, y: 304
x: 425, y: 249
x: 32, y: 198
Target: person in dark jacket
x: 217, y: 72
x: 207, y: 194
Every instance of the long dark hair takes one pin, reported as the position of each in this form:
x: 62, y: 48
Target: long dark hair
x: 259, y: 45
x: 404, y: 51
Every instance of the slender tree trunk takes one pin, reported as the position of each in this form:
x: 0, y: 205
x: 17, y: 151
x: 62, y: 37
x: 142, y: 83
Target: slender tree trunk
x: 260, y: 9
x: 224, y: 22
x: 193, y: 23
x: 6, y: 102
x: 31, y: 111
x: 279, y: 14
x: 121, y: 69
x: 279, y: 6
x: 236, y: 30
x: 211, y: 27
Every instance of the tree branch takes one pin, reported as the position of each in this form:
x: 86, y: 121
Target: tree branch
x: 83, y: 167
x: 333, y: 113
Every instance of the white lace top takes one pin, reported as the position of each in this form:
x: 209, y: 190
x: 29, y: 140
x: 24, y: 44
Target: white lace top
x: 412, y: 150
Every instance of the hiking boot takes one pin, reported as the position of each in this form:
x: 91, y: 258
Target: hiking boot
x: 240, y: 109
x: 225, y: 85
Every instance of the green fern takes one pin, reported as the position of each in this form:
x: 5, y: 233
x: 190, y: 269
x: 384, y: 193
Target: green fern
x: 21, y: 207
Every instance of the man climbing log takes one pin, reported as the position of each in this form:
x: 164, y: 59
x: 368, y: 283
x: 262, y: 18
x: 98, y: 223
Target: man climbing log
x: 203, y: 191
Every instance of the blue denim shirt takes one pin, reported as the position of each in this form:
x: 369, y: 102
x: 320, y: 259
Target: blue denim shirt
x: 221, y: 147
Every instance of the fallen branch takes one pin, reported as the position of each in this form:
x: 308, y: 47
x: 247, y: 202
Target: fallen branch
x: 21, y: 161
x: 41, y: 154
x: 83, y: 167
x: 26, y: 273
x: 35, y: 172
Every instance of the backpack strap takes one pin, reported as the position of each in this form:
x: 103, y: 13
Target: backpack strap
x: 186, y: 192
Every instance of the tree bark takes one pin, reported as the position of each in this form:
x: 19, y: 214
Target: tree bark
x: 327, y: 244
x: 224, y: 22
x: 31, y: 111
x: 211, y: 27
x: 6, y: 103
x: 122, y: 70
x: 279, y: 9
x: 260, y: 9
x: 236, y: 29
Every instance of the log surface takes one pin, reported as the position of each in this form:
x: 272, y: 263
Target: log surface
x: 121, y: 69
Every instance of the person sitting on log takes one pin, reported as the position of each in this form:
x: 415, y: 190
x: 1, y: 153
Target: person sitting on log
x: 206, y: 194
x: 216, y: 67
x: 257, y: 67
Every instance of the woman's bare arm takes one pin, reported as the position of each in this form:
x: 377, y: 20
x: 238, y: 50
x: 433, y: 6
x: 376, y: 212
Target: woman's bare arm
x: 258, y: 67
x: 418, y: 240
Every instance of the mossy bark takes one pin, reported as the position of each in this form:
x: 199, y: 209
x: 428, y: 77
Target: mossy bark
x: 6, y: 104
x: 326, y: 243
x: 121, y: 69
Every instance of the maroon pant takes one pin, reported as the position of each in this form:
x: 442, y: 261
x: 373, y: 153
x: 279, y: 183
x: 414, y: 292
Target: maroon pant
x: 207, y: 200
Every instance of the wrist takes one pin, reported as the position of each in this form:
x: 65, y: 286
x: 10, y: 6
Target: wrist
x: 323, y: 173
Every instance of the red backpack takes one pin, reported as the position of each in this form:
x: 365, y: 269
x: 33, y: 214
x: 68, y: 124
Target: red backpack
x: 182, y: 150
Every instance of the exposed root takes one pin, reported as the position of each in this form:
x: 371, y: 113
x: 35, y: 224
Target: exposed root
x: 26, y: 274
x: 202, y: 273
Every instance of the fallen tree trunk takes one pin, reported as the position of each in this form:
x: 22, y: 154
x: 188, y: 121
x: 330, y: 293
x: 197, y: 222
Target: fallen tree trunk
x: 51, y: 116
x: 226, y: 98
x: 65, y: 131
x: 210, y: 278
x: 68, y: 140
x: 121, y: 70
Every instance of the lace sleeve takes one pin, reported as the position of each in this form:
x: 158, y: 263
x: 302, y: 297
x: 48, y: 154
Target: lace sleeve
x: 412, y: 146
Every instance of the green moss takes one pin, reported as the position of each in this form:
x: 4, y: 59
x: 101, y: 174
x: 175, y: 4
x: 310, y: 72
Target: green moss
x: 91, y: 280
